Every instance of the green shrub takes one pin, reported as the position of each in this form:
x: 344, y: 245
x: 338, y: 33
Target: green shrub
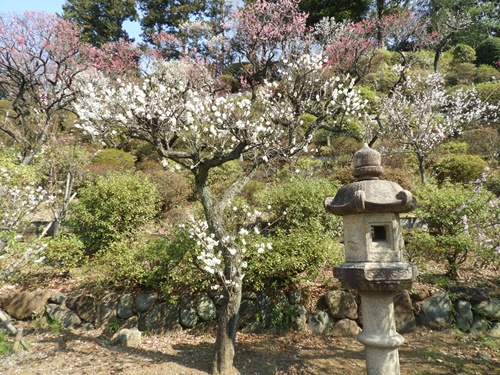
x: 486, y: 73
x: 489, y: 92
x: 296, y: 255
x: 173, y: 187
x: 459, y: 168
x: 454, y: 214
x: 114, y: 207
x: 463, y: 53
x: 65, y: 251
x: 461, y: 74
x: 113, y: 157
x: 299, y: 203
x: 168, y: 264
x: 488, y: 52
x: 302, y: 233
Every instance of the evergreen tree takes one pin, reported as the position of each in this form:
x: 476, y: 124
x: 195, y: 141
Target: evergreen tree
x: 352, y: 10
x: 167, y: 15
x: 100, y: 21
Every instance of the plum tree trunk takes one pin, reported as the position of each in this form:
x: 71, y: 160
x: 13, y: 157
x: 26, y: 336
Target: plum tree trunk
x: 229, y: 311
x: 226, y: 333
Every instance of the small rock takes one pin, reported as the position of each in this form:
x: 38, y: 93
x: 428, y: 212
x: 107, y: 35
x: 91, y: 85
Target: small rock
x: 495, y: 331
x: 125, y: 306
x: 346, y: 328
x: 319, y: 322
x: 464, y: 316
x: 479, y: 326
x: 25, y: 305
x: 205, y: 307
x: 489, y: 309
x: 143, y: 302
x: 436, y: 312
x: 63, y: 315
x: 129, y: 337
x: 57, y: 298
x: 341, y: 304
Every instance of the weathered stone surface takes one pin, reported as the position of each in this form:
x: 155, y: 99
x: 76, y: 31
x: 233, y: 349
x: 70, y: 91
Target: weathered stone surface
x: 24, y: 305
x: 420, y: 293
x: 106, y: 310
x: 63, y: 315
x: 125, y: 308
x: 143, y: 302
x: 132, y: 322
x: 295, y: 297
x: 403, y: 312
x: 489, y: 309
x: 300, y: 318
x: 319, y: 322
x: 436, y: 312
x: 247, y: 313
x: 345, y: 328
x: 187, y: 314
x: 341, y: 304
x: 464, y: 316
x: 495, y: 330
x: 205, y: 307
x: 479, y: 326
x: 162, y: 319
x: 470, y: 293
x: 129, y: 337
x: 57, y: 298
x: 84, y: 306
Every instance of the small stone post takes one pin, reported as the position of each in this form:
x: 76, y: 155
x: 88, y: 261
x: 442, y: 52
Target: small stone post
x: 374, y: 265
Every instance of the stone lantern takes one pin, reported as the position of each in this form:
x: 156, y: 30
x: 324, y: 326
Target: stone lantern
x: 374, y: 265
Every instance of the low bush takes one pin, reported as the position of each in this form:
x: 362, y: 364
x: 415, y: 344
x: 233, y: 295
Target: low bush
x: 303, y: 235
x: 463, y: 53
x: 488, y: 52
x: 113, y: 207
x: 168, y: 264
x: 65, y: 251
x: 118, y: 159
x: 459, y: 168
x: 456, y: 216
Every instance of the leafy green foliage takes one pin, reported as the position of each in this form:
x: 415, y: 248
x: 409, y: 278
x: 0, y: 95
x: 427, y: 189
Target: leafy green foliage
x: 65, y: 251
x: 463, y: 53
x: 168, y: 264
x: 300, y: 230
x: 114, y: 207
x: 100, y: 21
x: 120, y: 159
x: 459, y: 168
x: 453, y: 214
x: 5, y: 345
x: 488, y: 51
x: 487, y: 73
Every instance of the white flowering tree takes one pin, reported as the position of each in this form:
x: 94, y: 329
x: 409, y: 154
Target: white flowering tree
x: 181, y: 110
x: 421, y: 114
x: 19, y: 200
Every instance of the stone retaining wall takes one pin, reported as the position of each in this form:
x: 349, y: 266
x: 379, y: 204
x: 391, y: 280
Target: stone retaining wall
x: 468, y: 309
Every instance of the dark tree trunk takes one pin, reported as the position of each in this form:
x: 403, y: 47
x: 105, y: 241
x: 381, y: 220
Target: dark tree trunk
x: 229, y: 311
x: 226, y: 333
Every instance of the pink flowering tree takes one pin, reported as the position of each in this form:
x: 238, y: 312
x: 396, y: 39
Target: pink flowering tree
x: 350, y: 46
x: 421, y: 115
x: 182, y: 111
x: 265, y: 32
x: 40, y: 56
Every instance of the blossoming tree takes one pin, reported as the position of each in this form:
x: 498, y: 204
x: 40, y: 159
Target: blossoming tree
x: 181, y: 110
x: 421, y: 114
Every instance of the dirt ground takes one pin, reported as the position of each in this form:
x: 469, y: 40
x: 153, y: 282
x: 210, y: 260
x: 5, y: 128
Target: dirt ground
x: 92, y: 352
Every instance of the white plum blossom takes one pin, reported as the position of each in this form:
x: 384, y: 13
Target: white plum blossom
x: 421, y: 114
